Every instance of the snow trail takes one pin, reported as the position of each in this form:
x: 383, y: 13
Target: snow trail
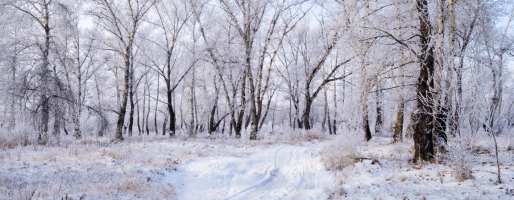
x: 283, y: 172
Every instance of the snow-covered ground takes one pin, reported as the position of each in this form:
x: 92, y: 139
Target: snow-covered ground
x: 158, y: 167
x: 229, y: 168
x: 279, y: 172
x: 385, y: 172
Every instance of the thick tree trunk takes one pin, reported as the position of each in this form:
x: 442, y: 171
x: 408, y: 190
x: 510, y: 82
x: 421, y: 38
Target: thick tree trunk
x: 423, y: 139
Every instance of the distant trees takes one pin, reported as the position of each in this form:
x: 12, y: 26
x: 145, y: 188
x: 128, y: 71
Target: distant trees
x: 211, y: 66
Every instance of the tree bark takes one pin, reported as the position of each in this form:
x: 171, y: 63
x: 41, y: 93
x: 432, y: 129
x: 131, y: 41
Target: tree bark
x: 378, y: 122
x: 147, y: 118
x: 131, y: 98
x: 142, y: 130
x: 138, y: 113
x: 171, y: 113
x: 156, y: 105
x: 423, y: 139
x: 398, y: 127
x: 334, y: 126
x: 365, y: 118
x: 192, y: 128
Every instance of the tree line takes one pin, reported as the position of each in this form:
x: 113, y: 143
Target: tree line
x: 428, y: 69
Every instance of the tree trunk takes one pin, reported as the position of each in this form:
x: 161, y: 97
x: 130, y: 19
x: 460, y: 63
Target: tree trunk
x: 423, y: 139
x: 212, y: 127
x: 365, y: 112
x: 334, y: 126
x: 378, y: 122
x: 45, y: 75
x: 291, y: 120
x: 156, y: 105
x: 138, y: 114
x: 123, y: 108
x: 325, y: 112
x: 170, y: 111
x: 57, y: 122
x: 168, y: 95
x: 306, y: 112
x: 440, y: 111
x: 192, y: 128
x: 164, y: 125
x: 365, y: 123
x: 253, y: 108
x: 102, y: 127
x: 239, y: 124
x: 131, y: 97
x: 144, y: 112
x: 148, y: 109
x: 398, y: 127
x: 440, y: 126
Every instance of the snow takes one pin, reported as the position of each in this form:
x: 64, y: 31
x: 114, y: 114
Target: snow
x: 281, y: 172
x: 158, y: 167
x: 394, y: 177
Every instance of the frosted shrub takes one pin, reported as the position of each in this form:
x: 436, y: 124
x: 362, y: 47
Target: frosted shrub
x: 245, y: 135
x: 284, y: 133
x: 22, y: 135
x: 342, y: 151
x: 310, y: 135
x: 462, y: 158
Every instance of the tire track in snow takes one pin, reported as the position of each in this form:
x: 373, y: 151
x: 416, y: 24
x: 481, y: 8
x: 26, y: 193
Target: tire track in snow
x: 272, y: 174
x: 285, y: 172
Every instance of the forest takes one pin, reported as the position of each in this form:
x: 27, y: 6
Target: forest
x: 378, y: 85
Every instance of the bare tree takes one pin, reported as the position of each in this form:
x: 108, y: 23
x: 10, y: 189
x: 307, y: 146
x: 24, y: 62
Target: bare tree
x: 123, y: 29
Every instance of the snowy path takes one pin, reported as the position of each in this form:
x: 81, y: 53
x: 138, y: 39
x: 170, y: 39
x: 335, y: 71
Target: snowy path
x: 284, y: 172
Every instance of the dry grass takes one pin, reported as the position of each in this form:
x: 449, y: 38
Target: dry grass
x: 309, y: 135
x: 81, y: 171
x: 339, y: 162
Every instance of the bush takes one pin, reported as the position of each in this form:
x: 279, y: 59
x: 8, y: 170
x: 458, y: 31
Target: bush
x: 462, y: 157
x: 342, y: 151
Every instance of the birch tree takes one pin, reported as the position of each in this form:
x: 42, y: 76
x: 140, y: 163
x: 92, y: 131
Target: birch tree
x: 120, y: 22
